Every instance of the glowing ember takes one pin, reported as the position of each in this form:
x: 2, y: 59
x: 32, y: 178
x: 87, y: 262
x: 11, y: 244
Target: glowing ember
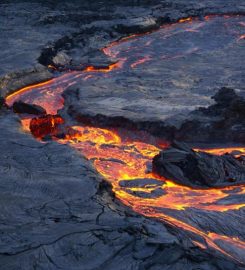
x: 119, y: 159
x: 141, y: 61
x: 189, y: 19
x: 241, y: 37
x: 45, y: 125
x: 236, y: 151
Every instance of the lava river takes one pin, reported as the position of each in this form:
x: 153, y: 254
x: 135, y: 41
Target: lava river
x: 124, y: 159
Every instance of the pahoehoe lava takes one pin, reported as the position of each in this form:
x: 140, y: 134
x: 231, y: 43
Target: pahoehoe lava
x: 124, y: 157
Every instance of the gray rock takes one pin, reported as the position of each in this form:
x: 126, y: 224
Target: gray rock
x: 61, y: 59
x: 22, y: 107
x: 188, y: 167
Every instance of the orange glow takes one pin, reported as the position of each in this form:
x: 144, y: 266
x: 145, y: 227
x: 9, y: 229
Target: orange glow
x: 234, y: 240
x: 189, y: 19
x: 209, y: 17
x: 241, y: 37
x: 103, y: 69
x: 236, y: 151
x: 45, y: 125
x: 52, y: 67
x: 25, y: 89
x: 118, y: 159
x: 52, y: 90
x: 26, y: 124
x: 103, y: 145
x: 106, y: 50
x: 141, y: 61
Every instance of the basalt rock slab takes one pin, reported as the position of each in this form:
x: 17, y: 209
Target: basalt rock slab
x: 186, y: 166
x: 22, y: 107
x: 221, y: 122
x: 2, y: 103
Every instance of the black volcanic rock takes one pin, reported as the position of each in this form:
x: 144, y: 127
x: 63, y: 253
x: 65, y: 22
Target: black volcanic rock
x: 186, y: 166
x: 2, y: 102
x: 22, y: 107
x: 228, y: 105
x: 61, y: 59
x: 225, y: 95
x: 222, y: 122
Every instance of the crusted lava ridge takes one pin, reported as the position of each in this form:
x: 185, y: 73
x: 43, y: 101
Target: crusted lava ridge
x: 221, y: 122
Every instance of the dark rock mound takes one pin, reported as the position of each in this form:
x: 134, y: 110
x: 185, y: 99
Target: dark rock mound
x: 186, y: 166
x: 2, y: 103
x: 228, y: 104
x: 222, y: 122
x: 22, y: 107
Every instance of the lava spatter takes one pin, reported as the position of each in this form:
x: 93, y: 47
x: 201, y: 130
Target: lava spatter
x: 119, y: 159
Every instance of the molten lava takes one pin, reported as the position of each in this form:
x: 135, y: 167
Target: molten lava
x: 118, y: 158
x: 45, y: 125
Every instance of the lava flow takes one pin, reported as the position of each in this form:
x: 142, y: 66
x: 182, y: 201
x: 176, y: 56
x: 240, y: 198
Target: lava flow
x: 126, y: 162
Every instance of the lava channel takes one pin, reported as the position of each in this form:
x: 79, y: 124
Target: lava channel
x: 125, y: 162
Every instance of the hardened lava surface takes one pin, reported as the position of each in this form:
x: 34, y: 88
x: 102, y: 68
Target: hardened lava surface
x: 125, y: 162
x: 158, y: 79
x: 58, y: 211
x: 167, y: 73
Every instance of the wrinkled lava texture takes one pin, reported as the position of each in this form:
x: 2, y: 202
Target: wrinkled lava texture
x: 100, y: 89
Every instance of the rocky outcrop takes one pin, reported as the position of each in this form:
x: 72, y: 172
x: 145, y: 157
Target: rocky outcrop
x: 22, y: 107
x: 222, y: 122
x: 2, y: 103
x: 188, y: 167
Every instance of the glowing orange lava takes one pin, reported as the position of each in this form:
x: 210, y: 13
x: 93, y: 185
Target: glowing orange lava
x: 236, y: 151
x: 241, y: 37
x: 141, y: 61
x: 189, y: 19
x: 118, y: 160
x: 123, y: 159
